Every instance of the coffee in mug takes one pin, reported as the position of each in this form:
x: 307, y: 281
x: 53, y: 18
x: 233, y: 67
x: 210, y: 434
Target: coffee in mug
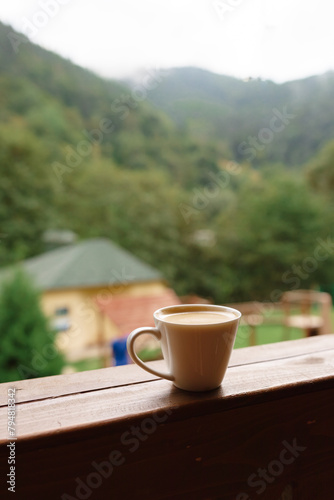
x: 196, y: 343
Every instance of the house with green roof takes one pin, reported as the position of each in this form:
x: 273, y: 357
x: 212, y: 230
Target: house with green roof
x: 94, y: 291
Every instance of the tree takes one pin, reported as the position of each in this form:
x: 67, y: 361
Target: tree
x: 27, y: 341
x: 320, y: 170
x: 270, y: 237
x: 26, y: 193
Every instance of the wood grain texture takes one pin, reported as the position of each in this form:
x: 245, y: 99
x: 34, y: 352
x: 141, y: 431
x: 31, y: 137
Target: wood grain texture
x: 157, y: 442
x: 61, y: 385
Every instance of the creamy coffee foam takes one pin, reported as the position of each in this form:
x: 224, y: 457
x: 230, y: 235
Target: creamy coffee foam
x: 199, y: 318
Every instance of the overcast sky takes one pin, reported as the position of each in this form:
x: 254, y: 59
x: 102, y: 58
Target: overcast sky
x: 273, y: 39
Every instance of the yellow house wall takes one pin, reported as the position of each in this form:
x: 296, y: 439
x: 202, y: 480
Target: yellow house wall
x: 88, y: 326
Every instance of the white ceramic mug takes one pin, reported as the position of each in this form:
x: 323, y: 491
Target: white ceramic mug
x: 196, y: 342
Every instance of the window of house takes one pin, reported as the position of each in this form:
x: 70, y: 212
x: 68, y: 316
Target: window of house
x: 61, y: 321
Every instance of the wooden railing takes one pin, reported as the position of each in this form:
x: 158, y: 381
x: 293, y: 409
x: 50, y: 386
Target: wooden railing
x: 120, y: 433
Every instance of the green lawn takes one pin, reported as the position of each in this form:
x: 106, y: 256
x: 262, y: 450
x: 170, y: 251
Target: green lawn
x: 265, y: 334
x: 87, y: 364
x: 268, y: 334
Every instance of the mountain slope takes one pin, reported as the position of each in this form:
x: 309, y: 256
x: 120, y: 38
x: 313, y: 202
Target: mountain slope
x: 221, y: 107
x: 208, y: 108
x: 65, y: 105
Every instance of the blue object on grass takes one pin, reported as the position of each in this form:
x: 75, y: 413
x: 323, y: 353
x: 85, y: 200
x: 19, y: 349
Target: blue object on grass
x: 120, y: 351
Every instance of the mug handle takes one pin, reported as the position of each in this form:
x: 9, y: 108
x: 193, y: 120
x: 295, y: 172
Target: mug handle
x: 130, y: 346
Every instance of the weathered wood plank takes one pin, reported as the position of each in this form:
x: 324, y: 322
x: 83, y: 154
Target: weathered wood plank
x: 61, y: 385
x: 104, y: 405
x: 267, y: 433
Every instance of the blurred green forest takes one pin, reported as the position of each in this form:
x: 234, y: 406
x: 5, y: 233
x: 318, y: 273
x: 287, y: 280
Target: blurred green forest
x: 224, y: 186
x: 232, y: 110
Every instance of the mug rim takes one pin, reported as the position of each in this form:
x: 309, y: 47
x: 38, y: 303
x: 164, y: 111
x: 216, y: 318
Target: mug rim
x: 198, y: 307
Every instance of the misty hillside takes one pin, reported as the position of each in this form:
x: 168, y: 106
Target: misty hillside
x: 225, y: 108
x: 207, y: 108
x: 63, y: 104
